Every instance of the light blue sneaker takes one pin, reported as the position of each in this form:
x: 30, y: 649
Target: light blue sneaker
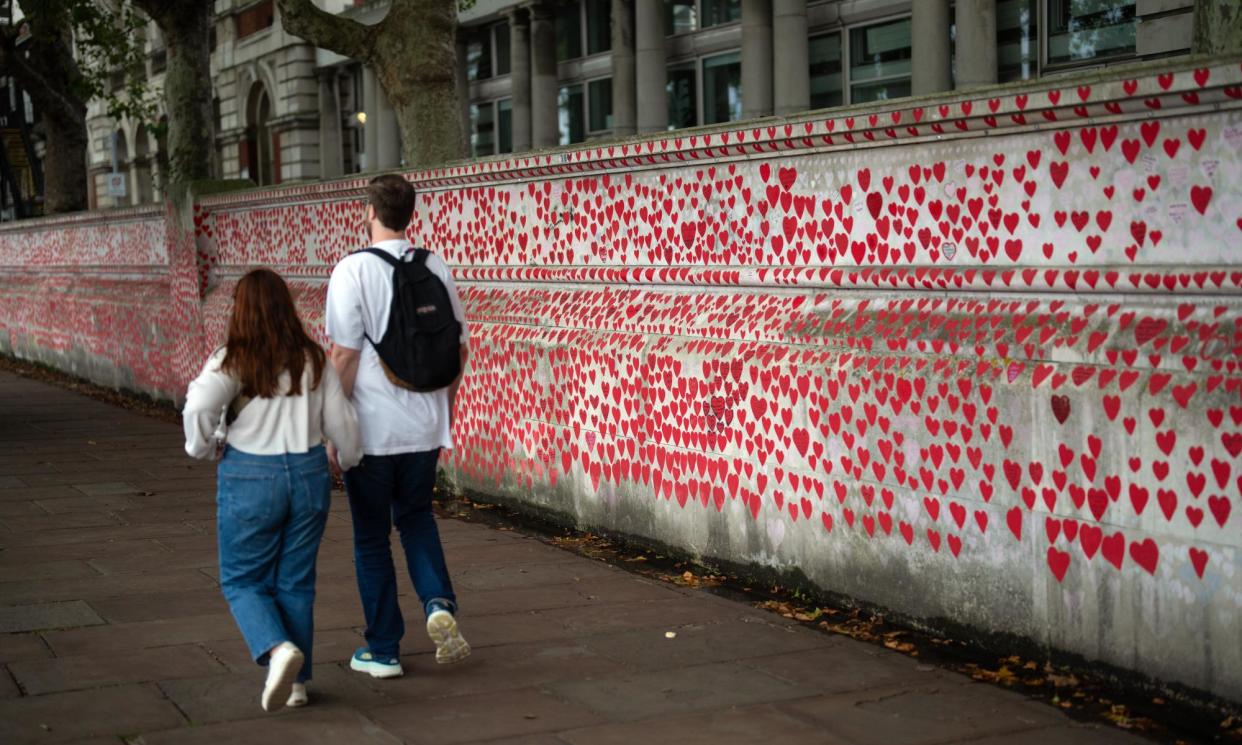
x: 378, y: 667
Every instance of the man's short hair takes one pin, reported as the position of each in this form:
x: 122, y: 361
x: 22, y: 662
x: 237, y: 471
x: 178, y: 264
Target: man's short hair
x: 393, y: 199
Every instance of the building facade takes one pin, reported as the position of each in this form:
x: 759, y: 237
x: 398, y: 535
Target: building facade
x: 557, y: 72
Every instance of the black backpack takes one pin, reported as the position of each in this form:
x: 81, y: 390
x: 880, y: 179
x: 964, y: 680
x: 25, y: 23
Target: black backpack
x: 421, y: 348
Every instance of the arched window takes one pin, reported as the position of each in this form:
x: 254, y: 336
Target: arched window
x: 257, y: 157
x: 121, y: 166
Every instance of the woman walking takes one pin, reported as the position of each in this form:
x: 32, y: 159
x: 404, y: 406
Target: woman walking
x: 280, y: 400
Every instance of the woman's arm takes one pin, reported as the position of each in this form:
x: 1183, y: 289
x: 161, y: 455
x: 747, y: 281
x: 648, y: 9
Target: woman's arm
x: 205, y: 400
x: 340, y: 422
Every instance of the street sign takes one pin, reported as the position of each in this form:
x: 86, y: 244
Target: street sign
x: 116, y: 184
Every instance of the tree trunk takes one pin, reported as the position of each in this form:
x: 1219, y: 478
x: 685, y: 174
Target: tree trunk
x: 1218, y: 27
x: 48, y: 73
x: 186, y: 25
x: 422, y: 87
x: 414, y: 56
x: 64, y: 165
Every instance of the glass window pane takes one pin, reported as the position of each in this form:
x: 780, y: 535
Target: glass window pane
x: 882, y: 91
x: 682, y: 97
x: 571, y: 115
x: 482, y: 129
x: 503, y: 58
x: 679, y: 17
x: 599, y: 26
x: 479, y: 57
x: 600, y: 94
x: 825, y: 55
x: 722, y: 88
x: 504, y: 115
x: 880, y: 52
x: 569, y: 31
x: 1085, y: 29
x: 721, y: 11
x: 1016, y: 40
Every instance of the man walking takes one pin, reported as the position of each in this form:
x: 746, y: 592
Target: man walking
x: 403, y: 432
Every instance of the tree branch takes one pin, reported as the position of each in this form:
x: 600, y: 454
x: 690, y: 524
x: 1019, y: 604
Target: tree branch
x: 49, y: 96
x: 344, y: 36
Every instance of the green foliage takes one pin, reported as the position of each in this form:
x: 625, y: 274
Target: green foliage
x: 108, y: 39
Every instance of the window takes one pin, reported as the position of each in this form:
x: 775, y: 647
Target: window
x: 572, y: 116
x: 1017, y: 56
x: 482, y: 129
x: 599, y: 104
x: 569, y: 31
x: 599, y: 26
x: 503, y: 57
x: 1088, y: 29
x: 254, y: 19
x: 504, y: 121
x: 722, y: 88
x: 682, y: 96
x: 826, y: 84
x: 721, y: 11
x: 479, y: 56
x: 680, y: 17
x: 880, y: 61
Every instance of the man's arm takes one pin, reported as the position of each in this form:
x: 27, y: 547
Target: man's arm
x: 345, y: 360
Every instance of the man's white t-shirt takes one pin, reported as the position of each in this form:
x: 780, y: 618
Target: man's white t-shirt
x: 393, y: 420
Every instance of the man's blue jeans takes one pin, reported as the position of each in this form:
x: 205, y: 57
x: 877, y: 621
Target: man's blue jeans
x: 395, y: 489
x: 271, y: 514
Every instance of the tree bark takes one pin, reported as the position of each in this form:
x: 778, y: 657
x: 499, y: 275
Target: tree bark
x: 186, y: 26
x: 1218, y: 27
x: 413, y: 54
x: 47, y: 72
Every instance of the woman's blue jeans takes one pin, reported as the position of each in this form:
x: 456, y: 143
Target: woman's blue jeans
x: 271, y: 514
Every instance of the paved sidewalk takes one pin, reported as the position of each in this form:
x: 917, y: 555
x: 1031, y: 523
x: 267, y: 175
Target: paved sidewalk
x: 112, y: 629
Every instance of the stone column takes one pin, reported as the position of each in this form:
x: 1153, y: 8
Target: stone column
x: 519, y: 77
x: 463, y: 96
x: 370, y: 128
x: 331, y: 151
x: 624, y: 104
x: 650, y: 67
x: 929, y: 32
x: 544, y: 128
x: 756, y: 58
x: 976, y: 43
x: 791, y: 68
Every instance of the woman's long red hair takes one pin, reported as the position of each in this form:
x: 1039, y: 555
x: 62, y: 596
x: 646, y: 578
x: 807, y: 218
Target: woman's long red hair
x: 266, y: 338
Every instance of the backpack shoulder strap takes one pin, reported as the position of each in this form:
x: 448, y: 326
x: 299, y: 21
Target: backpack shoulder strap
x: 378, y: 252
x: 420, y: 256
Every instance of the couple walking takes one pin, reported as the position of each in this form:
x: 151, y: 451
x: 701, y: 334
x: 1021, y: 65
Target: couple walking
x: 292, y: 412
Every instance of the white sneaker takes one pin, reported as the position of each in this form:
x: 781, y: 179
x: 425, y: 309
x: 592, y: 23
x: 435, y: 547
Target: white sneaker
x: 298, y: 696
x: 450, y: 645
x: 282, y: 669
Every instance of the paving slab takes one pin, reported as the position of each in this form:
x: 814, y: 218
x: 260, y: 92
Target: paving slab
x: 678, y: 690
x: 745, y: 725
x: 38, y: 616
x: 336, y: 725
x: 100, y: 712
x: 28, y: 646
x: 104, y: 669
x: 480, y: 718
x: 927, y: 715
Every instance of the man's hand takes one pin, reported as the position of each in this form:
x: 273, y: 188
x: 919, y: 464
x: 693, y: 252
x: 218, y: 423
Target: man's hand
x: 333, y: 461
